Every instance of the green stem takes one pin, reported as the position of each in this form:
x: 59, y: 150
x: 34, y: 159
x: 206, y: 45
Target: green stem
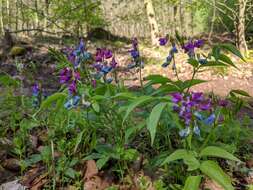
x: 174, y: 62
x: 195, y: 70
x: 141, y: 77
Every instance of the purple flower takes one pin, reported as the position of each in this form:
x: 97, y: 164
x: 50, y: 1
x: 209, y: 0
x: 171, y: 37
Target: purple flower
x: 206, y: 105
x: 35, y: 89
x: 135, y: 43
x: 174, y: 49
x: 77, y: 75
x: 81, y: 46
x: 210, y: 120
x: 197, y: 96
x: 99, y: 58
x: 163, y: 41
x: 198, y: 43
x: 99, y: 55
x: 65, y: 75
x: 97, y: 66
x: 72, y: 58
x: 107, y: 54
x: 223, y: 103
x: 134, y: 53
x: 94, y: 83
x: 170, y: 57
x: 176, y: 97
x: 73, y: 88
x: 188, y: 47
x: 113, y: 63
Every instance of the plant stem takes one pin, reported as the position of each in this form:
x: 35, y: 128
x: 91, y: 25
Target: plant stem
x: 174, y: 62
x: 141, y: 77
x: 193, y: 75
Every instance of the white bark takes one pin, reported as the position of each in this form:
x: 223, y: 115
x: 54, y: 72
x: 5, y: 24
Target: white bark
x: 152, y: 21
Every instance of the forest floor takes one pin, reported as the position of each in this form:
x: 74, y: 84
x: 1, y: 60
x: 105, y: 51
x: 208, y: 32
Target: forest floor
x: 220, y: 80
x: 38, y: 66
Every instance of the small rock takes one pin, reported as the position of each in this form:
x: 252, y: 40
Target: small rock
x: 13, y: 185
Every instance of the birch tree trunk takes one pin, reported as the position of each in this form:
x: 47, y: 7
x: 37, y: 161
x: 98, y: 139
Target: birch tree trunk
x: 1, y: 18
x: 152, y: 21
x: 8, y: 14
x: 242, y: 45
x: 213, y: 21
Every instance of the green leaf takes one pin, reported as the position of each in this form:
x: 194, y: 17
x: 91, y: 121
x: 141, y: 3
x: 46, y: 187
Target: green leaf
x: 231, y: 48
x: 124, y: 95
x: 227, y: 60
x: 214, y: 151
x: 137, y: 102
x: 213, y: 170
x: 167, y: 88
x: 193, y: 62
x: 216, y: 52
x: 157, y: 79
x: 185, y: 155
x: 240, y: 92
x: 214, y: 64
x: 188, y: 83
x: 102, y: 161
x: 51, y: 99
x: 177, y: 155
x: 96, y: 107
x: 78, y: 140
x: 7, y: 80
x: 130, y: 155
x: 192, y: 183
x: 70, y: 173
x: 133, y: 129
x: 153, y: 119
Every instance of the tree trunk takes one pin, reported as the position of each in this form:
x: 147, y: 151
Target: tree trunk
x: 213, y: 21
x: 242, y: 45
x: 182, y: 16
x: 152, y: 21
x: 192, y: 19
x: 17, y: 15
x: 1, y: 18
x: 8, y: 14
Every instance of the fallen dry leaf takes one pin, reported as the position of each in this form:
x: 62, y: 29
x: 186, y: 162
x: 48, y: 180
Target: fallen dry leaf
x: 34, y: 141
x: 31, y: 175
x: 209, y: 184
x: 12, y: 164
x: 39, y: 182
x: 96, y: 183
x: 91, y: 169
x: 249, y: 163
x: 92, y: 184
x: 39, y: 185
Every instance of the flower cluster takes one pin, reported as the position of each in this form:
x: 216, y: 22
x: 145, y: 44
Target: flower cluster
x: 192, y: 109
x: 70, y: 78
x: 105, y: 63
x: 135, y: 54
x: 163, y: 41
x: 78, y: 55
x: 190, y: 47
x: 172, y: 52
x: 35, y: 95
